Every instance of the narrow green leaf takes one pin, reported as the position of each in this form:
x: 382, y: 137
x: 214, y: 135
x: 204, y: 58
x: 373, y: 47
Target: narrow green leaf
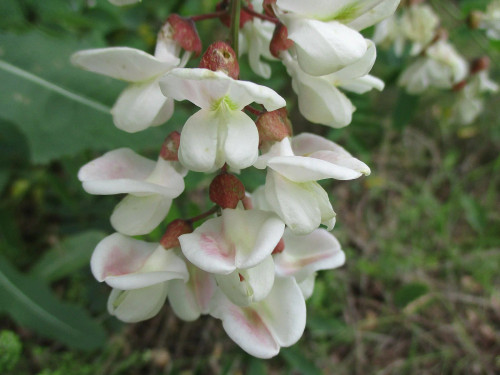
x: 69, y: 256
x: 31, y: 304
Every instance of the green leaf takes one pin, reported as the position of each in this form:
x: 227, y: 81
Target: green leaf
x: 59, y: 108
x: 474, y: 213
x: 409, y: 293
x: 405, y: 109
x: 31, y: 304
x: 298, y: 362
x: 69, y: 256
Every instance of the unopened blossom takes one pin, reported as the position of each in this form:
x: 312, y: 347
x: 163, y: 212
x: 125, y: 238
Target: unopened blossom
x: 441, y: 68
x: 219, y: 132
x: 291, y: 189
x: 326, y: 33
x: 150, y: 188
x: 320, y: 99
x: 418, y: 24
x: 138, y: 272
x: 304, y: 255
x: 141, y: 104
x: 490, y: 20
x: 263, y: 327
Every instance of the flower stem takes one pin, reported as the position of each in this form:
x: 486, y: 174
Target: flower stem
x: 204, y: 215
x: 207, y: 16
x: 260, y: 15
x: 235, y: 24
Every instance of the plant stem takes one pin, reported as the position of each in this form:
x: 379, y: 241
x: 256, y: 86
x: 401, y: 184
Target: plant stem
x: 260, y: 15
x: 235, y: 24
x: 207, y: 16
x: 202, y: 216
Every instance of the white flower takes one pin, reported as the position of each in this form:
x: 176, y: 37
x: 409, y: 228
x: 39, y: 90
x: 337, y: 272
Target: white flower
x: 320, y: 100
x: 291, y: 189
x: 139, y: 273
x: 150, y: 187
x: 388, y: 33
x: 219, y: 132
x: 441, y: 67
x: 326, y: 33
x: 418, y: 24
x: 141, y: 104
x: 490, y: 20
x: 263, y: 327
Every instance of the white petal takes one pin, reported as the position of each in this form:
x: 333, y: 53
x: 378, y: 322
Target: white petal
x: 325, y: 47
x: 385, y: 9
x: 207, y: 248
x: 140, y: 106
x: 282, y: 148
x: 136, y: 305
x: 363, y: 84
x: 136, y: 215
x: 253, y: 233
x: 307, y: 286
x: 360, y: 67
x: 245, y: 327
x: 198, y: 147
x: 304, y: 255
x: 342, y: 10
x: 241, y: 146
x: 284, y: 311
x: 124, y: 63
x: 307, y: 143
x: 119, y: 255
x: 342, y: 161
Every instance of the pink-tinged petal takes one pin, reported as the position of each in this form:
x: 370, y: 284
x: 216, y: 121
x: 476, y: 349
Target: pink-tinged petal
x: 245, y: 286
x: 284, y: 311
x: 245, y: 327
x: 136, y: 215
x: 133, y: 306
x: 198, y: 147
x: 122, y: 163
x: 207, y: 249
x: 384, y: 9
x: 201, y: 87
x: 162, y: 265
x: 253, y: 233
x: 303, y: 169
x: 282, y: 148
x: 307, y: 143
x: 165, y: 174
x: 124, y: 63
x: 295, y: 203
x: 190, y: 300
x: 307, y: 286
x: 241, y: 146
x: 119, y: 255
x: 304, y: 255
x: 324, y: 47
x: 140, y: 106
x: 342, y: 161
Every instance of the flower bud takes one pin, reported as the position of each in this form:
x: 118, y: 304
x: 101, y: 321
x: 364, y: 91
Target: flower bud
x: 280, y: 41
x: 480, y: 64
x: 459, y: 86
x: 474, y: 19
x: 185, y: 33
x: 170, y: 147
x: 175, y: 229
x: 226, y: 190
x: 274, y: 126
x: 219, y: 56
x: 279, y: 247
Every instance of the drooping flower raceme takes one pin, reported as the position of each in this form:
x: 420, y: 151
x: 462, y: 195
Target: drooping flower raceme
x: 150, y: 188
x: 326, y: 33
x: 219, y: 132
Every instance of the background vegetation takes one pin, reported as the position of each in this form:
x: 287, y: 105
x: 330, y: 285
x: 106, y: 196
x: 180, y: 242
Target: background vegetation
x: 419, y: 293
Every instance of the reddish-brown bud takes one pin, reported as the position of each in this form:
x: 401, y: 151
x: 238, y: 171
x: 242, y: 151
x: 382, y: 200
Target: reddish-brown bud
x: 170, y: 147
x: 175, y: 229
x: 459, y: 86
x: 474, y: 19
x: 185, y: 33
x: 267, y: 5
x: 219, y: 56
x: 274, y: 126
x: 279, y: 247
x: 226, y: 190
x: 280, y: 41
x: 441, y: 34
x: 226, y: 18
x: 480, y: 64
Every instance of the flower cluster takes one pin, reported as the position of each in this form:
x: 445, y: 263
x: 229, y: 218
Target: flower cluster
x: 252, y: 262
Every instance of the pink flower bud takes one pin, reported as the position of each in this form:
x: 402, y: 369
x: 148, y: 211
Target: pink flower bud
x: 226, y: 190
x: 280, y: 41
x: 175, y: 229
x: 480, y: 64
x: 219, y: 56
x: 170, y: 147
x: 185, y: 33
x: 274, y: 126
